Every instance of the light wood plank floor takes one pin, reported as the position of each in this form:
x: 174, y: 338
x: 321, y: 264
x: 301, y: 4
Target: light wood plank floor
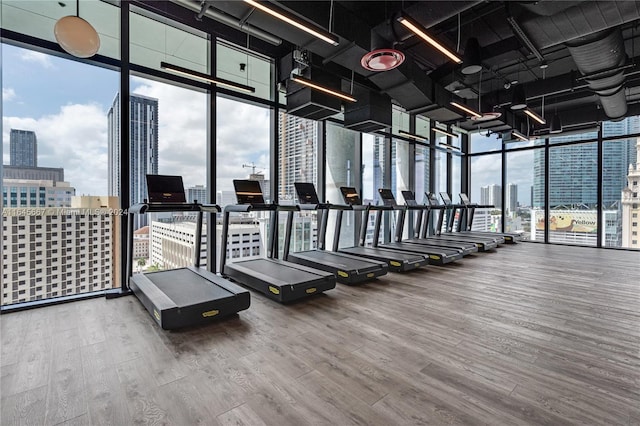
x: 528, y: 334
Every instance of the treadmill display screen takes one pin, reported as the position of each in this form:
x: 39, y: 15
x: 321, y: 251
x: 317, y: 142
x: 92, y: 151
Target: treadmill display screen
x: 306, y: 193
x: 433, y: 200
x: 248, y: 191
x: 165, y: 189
x: 387, y: 197
x: 350, y: 196
x: 409, y: 198
x: 464, y: 198
x: 445, y: 198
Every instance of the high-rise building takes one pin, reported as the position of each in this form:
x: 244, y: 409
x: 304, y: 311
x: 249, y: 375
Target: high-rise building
x: 491, y: 195
x: 631, y: 204
x: 511, y: 203
x: 143, y: 148
x: 23, y: 148
x: 197, y: 193
x: 297, y: 148
x: 36, y: 193
x: 573, y: 168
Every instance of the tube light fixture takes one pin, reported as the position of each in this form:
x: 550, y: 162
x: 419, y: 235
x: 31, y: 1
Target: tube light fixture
x: 307, y: 82
x: 317, y: 32
x: 535, y: 116
x: 449, y: 146
x: 466, y: 109
x: 519, y: 135
x: 195, y: 74
x: 436, y: 129
x: 419, y: 31
x: 412, y: 136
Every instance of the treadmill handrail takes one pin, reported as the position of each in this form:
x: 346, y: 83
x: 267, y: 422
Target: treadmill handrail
x: 246, y: 208
x: 210, y: 208
x: 287, y: 208
x: 142, y: 208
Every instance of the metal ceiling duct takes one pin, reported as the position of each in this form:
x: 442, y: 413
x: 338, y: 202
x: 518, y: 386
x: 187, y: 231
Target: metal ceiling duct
x: 600, y: 58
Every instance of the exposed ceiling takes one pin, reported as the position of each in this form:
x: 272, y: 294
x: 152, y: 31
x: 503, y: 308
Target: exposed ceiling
x: 577, y: 58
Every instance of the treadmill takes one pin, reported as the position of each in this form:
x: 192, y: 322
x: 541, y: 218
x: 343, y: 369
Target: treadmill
x: 278, y: 279
x: 466, y: 220
x: 484, y: 242
x: 410, y: 205
x: 187, y: 296
x: 398, y: 261
x: 437, y: 255
x: 349, y: 269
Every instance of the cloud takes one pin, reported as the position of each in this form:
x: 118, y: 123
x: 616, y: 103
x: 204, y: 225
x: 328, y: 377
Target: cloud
x: 242, y: 137
x: 8, y: 94
x: 74, y: 138
x: 37, y: 58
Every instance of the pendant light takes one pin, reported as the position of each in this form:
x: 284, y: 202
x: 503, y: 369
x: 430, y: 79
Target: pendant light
x: 472, y: 60
x: 76, y: 36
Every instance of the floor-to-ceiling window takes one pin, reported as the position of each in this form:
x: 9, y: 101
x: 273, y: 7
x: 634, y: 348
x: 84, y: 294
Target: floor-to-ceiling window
x: 60, y: 225
x: 486, y: 183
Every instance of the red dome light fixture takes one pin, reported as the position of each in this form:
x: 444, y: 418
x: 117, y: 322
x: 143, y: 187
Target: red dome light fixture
x: 382, y: 59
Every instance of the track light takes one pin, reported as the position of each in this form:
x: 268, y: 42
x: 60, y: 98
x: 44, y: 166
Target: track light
x: 519, y: 99
x: 217, y: 81
x: 556, y: 124
x: 449, y: 146
x: 466, y: 109
x: 412, y: 136
x: 535, y: 116
x: 436, y: 129
x: 519, y: 135
x: 317, y: 32
x: 472, y: 59
x: 316, y: 86
x: 418, y: 30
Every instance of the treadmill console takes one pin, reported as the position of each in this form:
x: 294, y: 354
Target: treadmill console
x: 306, y: 193
x: 445, y: 198
x: 248, y: 191
x: 350, y: 196
x: 433, y: 200
x: 464, y: 199
x: 409, y: 198
x: 387, y: 197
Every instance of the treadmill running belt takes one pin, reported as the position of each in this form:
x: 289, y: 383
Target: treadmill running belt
x: 186, y: 288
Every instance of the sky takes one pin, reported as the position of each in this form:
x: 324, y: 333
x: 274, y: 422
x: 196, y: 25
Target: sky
x: 66, y: 104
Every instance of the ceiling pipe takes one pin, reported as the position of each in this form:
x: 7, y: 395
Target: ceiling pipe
x: 207, y: 10
x: 601, y: 57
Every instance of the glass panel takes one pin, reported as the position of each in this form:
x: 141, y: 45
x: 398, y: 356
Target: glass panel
x: 342, y: 146
x: 480, y: 142
x: 373, y: 171
x: 524, y: 204
x: 456, y: 172
x: 242, y: 66
x: 297, y: 147
x: 59, y: 225
x: 154, y: 39
x: 422, y: 126
x: 37, y: 18
x: 242, y: 152
x: 582, y: 136
x: 486, y: 189
x: 620, y: 177
x: 399, y: 120
x: 400, y: 179
x: 422, y: 173
x: 573, y: 194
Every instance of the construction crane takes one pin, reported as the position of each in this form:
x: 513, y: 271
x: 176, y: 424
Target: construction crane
x: 253, y: 167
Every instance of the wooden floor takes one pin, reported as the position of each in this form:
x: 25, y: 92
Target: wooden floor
x: 528, y: 334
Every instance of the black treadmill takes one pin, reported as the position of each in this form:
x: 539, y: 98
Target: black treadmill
x: 412, y: 206
x: 186, y: 296
x: 278, y: 279
x: 437, y: 255
x: 349, y: 269
x: 466, y: 221
x: 484, y: 243
x: 398, y: 261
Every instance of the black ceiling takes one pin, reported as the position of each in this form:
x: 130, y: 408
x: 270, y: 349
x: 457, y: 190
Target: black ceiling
x: 577, y: 57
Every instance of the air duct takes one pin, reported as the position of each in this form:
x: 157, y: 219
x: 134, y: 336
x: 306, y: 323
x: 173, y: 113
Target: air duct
x: 600, y: 58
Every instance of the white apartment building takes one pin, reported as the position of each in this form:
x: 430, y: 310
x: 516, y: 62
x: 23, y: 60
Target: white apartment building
x: 631, y: 205
x: 172, y: 244
x: 47, y: 254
